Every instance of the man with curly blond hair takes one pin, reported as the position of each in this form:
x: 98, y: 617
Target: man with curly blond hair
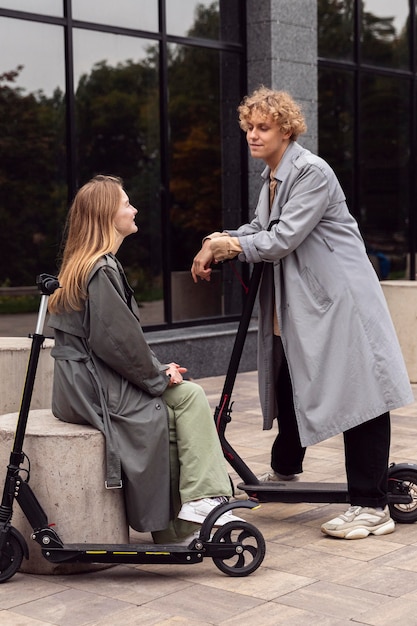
x: 329, y: 361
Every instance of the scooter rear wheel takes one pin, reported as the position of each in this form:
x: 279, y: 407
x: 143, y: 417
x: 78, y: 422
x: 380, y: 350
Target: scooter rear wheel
x: 404, y: 481
x: 250, y: 548
x: 11, y: 558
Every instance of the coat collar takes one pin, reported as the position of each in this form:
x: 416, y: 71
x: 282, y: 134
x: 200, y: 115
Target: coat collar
x: 291, y: 153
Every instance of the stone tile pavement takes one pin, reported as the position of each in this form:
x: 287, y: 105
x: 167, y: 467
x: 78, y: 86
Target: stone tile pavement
x: 305, y: 579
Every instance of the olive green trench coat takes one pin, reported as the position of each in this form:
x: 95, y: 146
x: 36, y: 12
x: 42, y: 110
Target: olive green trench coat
x: 106, y: 375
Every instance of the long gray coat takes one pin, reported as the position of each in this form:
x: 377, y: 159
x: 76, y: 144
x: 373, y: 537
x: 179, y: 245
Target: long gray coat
x: 343, y: 355
x: 106, y: 375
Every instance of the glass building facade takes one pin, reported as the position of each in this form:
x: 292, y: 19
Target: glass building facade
x: 142, y: 89
x: 367, y: 121
x: 148, y: 90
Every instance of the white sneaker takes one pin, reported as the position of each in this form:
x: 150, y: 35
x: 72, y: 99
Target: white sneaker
x: 272, y: 476
x: 197, y: 511
x: 358, y: 522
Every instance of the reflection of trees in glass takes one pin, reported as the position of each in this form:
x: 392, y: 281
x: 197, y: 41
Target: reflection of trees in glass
x: 384, y: 153
x: 117, y: 125
x: 336, y: 125
x: 335, y: 28
x: 116, y: 121
x: 32, y: 187
x: 380, y: 42
x: 194, y: 116
x: 207, y: 22
x: 382, y: 183
x: 118, y: 133
x: 384, y: 167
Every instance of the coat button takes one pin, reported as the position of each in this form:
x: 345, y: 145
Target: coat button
x: 157, y: 406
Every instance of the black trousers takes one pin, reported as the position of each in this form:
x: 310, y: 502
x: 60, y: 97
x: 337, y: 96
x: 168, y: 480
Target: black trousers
x: 366, y: 446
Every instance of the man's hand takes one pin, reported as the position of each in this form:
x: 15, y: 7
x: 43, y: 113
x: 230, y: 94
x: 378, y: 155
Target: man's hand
x: 202, y: 262
x: 225, y: 248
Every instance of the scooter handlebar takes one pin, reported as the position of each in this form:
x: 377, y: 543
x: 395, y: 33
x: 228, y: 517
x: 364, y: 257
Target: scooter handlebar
x: 47, y: 284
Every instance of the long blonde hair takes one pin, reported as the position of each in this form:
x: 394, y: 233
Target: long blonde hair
x: 89, y: 233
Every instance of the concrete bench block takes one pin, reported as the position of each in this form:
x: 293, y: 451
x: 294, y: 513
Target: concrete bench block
x: 14, y: 357
x: 401, y: 297
x: 67, y: 476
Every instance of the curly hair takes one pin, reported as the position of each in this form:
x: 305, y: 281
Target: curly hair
x: 278, y: 104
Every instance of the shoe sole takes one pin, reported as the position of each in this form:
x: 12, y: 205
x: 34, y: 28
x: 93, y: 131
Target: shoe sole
x: 199, y: 519
x: 360, y: 532
x: 278, y: 479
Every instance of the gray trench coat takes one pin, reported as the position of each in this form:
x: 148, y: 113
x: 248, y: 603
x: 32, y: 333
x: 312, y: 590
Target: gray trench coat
x: 343, y: 355
x: 106, y: 375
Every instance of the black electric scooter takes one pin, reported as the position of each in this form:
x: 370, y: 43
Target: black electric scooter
x: 237, y: 548
x: 402, y: 477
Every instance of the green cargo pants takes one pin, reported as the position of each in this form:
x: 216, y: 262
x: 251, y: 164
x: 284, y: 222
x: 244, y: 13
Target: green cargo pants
x: 197, y: 465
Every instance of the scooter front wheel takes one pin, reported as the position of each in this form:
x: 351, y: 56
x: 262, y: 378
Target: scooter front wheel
x: 403, y: 482
x: 11, y: 558
x: 250, y: 548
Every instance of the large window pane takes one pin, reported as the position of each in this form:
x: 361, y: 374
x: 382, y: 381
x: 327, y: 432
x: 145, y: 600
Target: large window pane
x: 137, y: 14
x: 33, y: 192
x: 200, y: 174
x: 117, y: 105
x: 384, y: 167
x: 385, y: 35
x: 208, y: 19
x: 336, y: 115
x: 22, y: 44
x: 335, y: 29
x: 196, y: 18
x: 44, y: 7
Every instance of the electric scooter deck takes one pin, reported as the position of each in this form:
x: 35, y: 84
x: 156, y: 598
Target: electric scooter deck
x: 401, y: 495
x: 292, y: 491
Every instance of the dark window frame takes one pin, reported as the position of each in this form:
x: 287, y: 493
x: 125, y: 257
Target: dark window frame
x: 163, y: 39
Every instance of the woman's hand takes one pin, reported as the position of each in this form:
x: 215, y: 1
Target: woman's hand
x: 174, y: 373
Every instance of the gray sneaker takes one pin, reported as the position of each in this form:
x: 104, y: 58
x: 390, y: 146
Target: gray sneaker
x: 274, y: 477
x: 358, y: 522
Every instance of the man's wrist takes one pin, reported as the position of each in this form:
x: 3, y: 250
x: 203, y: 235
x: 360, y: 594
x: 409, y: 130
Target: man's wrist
x: 215, y: 235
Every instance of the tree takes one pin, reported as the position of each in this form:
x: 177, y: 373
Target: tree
x: 194, y: 115
x: 32, y: 189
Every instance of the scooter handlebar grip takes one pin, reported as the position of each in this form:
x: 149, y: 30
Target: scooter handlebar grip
x: 47, y: 284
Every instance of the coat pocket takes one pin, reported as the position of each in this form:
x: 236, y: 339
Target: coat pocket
x: 317, y: 291
x: 328, y: 244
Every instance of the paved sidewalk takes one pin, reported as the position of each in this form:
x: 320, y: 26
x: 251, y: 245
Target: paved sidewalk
x: 306, y: 578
